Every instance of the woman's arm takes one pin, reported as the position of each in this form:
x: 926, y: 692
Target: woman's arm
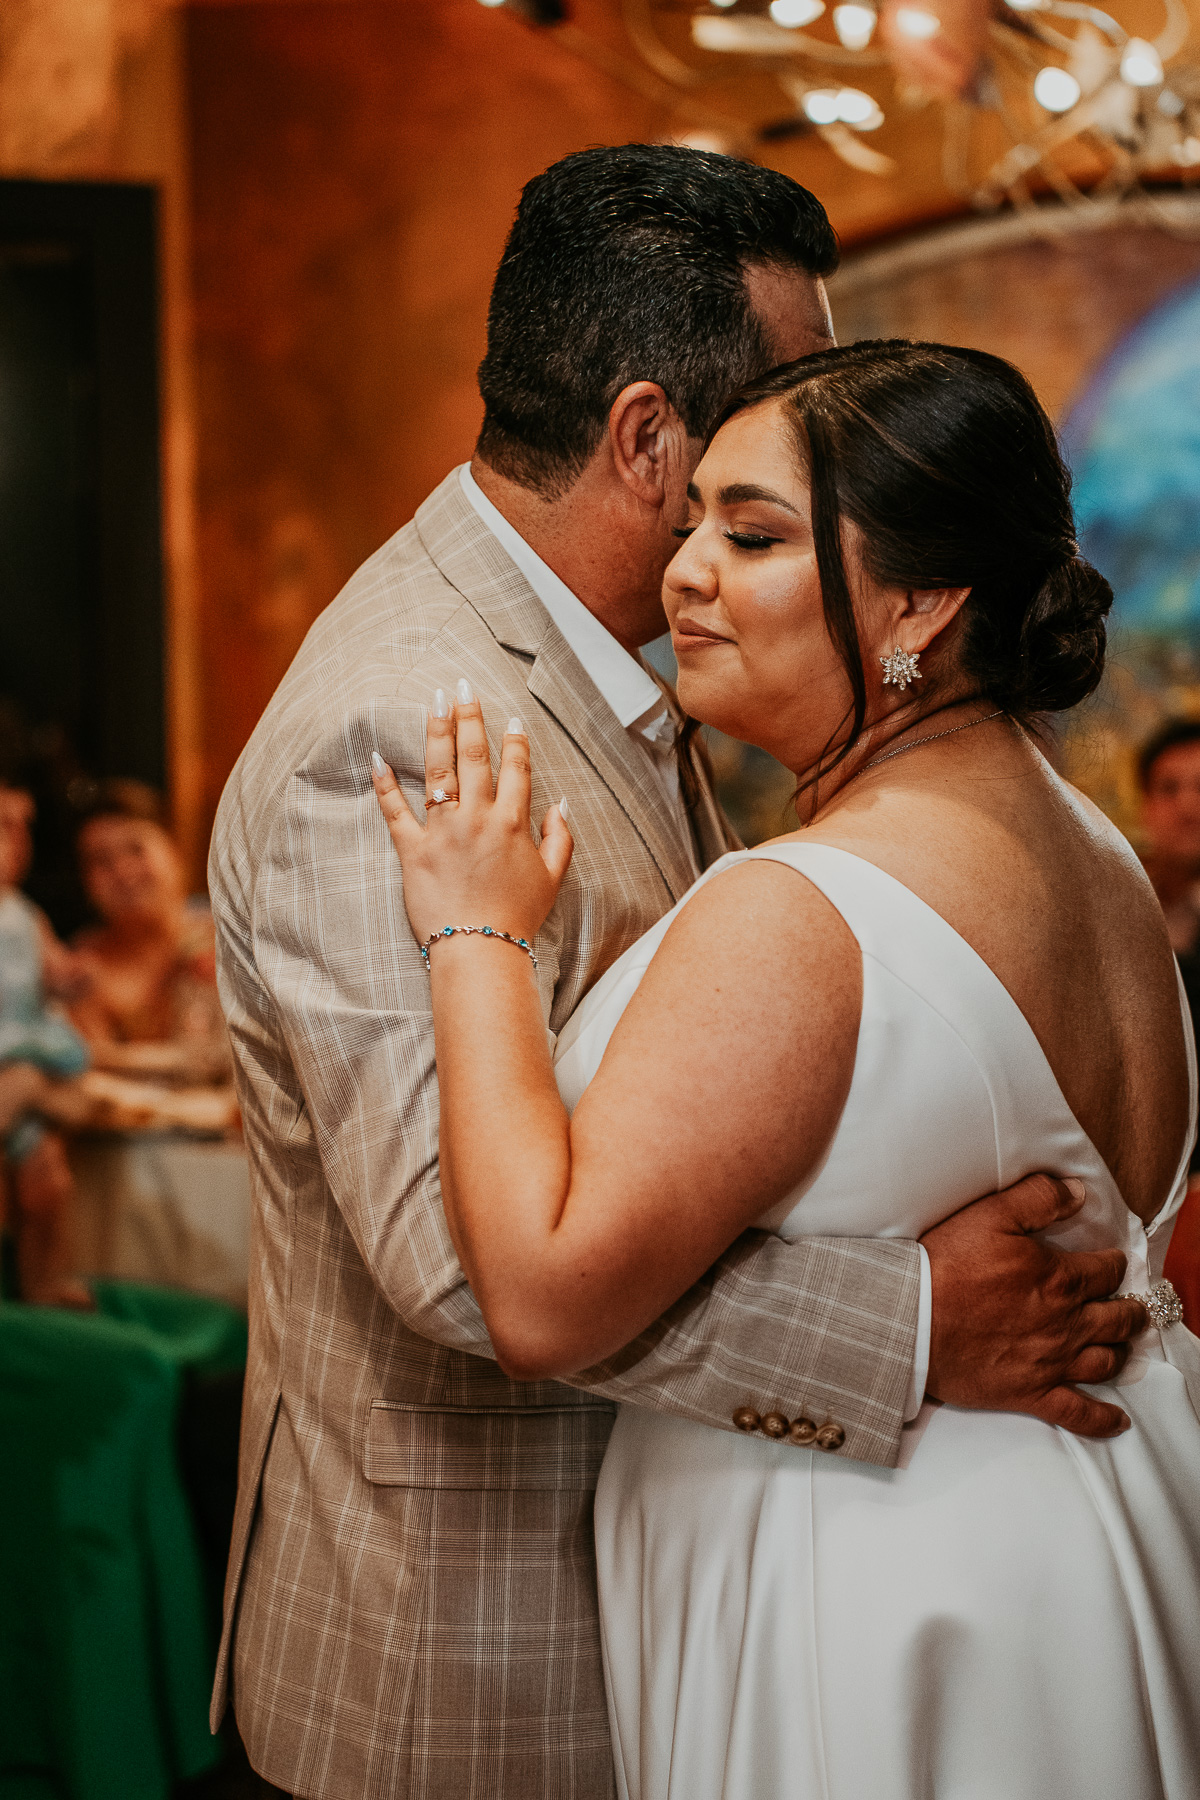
x: 718, y: 1092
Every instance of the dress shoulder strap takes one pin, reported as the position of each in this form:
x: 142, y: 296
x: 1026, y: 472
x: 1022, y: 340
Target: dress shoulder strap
x: 901, y: 933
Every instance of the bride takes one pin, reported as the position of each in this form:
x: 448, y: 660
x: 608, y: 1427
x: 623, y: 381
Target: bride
x: 952, y: 975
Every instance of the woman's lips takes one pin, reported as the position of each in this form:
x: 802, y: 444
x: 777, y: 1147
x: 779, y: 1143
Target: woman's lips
x: 687, y: 634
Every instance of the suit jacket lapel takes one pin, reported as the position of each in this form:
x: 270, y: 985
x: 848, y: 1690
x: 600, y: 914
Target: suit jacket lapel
x: 471, y: 559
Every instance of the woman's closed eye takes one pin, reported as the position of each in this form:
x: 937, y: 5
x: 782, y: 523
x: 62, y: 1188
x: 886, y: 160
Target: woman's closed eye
x: 751, y: 540
x: 741, y: 540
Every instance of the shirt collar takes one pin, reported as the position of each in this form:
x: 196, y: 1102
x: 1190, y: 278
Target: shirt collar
x: 620, y: 678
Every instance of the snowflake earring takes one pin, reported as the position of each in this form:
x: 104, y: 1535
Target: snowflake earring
x: 899, y: 669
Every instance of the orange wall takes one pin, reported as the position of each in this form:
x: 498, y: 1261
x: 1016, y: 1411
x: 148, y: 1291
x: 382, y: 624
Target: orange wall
x: 354, y: 166
x: 355, y: 169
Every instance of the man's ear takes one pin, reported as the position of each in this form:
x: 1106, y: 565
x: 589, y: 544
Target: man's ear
x: 645, y: 436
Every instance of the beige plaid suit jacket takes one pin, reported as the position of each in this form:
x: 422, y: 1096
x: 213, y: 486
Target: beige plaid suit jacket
x: 410, y: 1607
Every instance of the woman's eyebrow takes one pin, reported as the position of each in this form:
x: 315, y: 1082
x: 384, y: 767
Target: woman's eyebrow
x: 748, y: 490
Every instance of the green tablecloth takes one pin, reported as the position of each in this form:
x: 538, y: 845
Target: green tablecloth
x: 105, y: 1636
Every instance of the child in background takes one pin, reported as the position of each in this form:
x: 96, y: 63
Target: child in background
x: 36, y: 1047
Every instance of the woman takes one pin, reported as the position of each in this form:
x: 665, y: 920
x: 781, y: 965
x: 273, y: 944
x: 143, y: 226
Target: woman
x: 855, y: 1028
x: 151, y: 1009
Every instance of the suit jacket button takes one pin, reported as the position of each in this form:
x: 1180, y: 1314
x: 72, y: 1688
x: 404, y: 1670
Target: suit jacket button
x: 830, y: 1437
x: 775, y: 1425
x: 746, y: 1419
x: 802, y: 1431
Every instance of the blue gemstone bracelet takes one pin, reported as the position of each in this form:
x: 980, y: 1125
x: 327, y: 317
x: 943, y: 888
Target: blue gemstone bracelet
x: 473, y: 930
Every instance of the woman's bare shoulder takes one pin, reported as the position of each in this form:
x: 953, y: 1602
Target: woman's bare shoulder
x: 731, y: 1063
x: 757, y: 892
x: 758, y: 940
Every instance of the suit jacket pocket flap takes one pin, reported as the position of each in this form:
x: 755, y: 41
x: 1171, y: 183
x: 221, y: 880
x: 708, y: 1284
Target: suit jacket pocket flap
x: 469, y: 1447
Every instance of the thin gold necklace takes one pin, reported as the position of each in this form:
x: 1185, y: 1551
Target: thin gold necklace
x: 931, y: 739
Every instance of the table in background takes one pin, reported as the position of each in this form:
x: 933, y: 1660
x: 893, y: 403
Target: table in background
x: 164, y: 1208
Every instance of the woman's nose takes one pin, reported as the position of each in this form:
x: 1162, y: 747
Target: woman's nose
x: 691, y: 572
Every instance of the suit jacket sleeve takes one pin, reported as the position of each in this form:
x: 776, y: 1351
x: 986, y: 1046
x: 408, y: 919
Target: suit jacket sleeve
x: 824, y: 1327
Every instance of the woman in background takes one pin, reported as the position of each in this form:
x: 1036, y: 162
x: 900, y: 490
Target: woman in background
x: 39, y: 1053
x: 151, y: 1009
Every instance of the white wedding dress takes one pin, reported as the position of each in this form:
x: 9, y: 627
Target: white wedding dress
x: 1014, y: 1613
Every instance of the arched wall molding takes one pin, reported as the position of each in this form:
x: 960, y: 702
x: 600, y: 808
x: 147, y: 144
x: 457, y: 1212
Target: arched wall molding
x: 930, y: 248
x: 1053, y: 289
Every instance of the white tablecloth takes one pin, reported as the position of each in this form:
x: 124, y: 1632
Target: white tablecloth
x: 165, y: 1209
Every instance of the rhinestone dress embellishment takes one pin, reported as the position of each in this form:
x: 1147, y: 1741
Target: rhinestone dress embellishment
x: 1162, y: 1303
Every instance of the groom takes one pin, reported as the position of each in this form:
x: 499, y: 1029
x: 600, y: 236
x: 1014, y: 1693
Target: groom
x: 410, y: 1606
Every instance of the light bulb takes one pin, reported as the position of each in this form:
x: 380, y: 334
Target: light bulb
x: 1141, y: 65
x: 858, y: 109
x: 1055, y: 90
x: 1170, y: 104
x: 821, y: 105
x: 491, y: 2
x: 854, y: 25
x: 723, y: 3
x: 794, y: 13
x: 914, y: 22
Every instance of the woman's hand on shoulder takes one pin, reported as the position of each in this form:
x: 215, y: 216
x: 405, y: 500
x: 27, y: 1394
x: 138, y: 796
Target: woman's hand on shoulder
x: 474, y: 861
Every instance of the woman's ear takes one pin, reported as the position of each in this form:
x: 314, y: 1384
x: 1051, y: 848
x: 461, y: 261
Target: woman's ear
x: 926, y: 612
x: 646, y: 437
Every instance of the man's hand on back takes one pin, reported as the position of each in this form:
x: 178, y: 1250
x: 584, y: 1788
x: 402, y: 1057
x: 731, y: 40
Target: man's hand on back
x: 1015, y: 1320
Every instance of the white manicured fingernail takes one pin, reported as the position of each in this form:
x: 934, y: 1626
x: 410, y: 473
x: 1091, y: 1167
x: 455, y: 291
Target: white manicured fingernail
x: 1075, y: 1187
x: 515, y: 728
x: 378, y: 766
x: 563, y: 808
x: 463, y: 690
x: 441, y: 706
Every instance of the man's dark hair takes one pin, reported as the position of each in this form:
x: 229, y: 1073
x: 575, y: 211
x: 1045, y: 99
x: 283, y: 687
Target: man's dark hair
x: 116, y: 797
x: 1167, y: 737
x: 626, y: 265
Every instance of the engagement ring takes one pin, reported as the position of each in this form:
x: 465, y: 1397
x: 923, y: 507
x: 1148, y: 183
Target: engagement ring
x: 439, y: 797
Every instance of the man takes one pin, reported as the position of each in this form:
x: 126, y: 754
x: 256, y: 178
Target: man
x: 1168, y: 768
x: 1169, y: 777
x: 410, y: 1605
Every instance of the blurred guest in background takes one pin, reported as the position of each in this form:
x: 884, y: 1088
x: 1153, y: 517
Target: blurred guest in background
x: 151, y: 1009
x: 1169, y: 773
x: 1169, y: 770
x: 37, y: 1046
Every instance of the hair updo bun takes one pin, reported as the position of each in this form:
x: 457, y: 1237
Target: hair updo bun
x: 948, y: 466
x: 1060, y: 650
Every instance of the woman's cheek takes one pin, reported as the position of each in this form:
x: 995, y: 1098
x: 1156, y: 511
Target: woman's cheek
x: 719, y: 692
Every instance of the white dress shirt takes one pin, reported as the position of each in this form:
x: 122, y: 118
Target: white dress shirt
x: 638, y: 703
x: 634, y: 696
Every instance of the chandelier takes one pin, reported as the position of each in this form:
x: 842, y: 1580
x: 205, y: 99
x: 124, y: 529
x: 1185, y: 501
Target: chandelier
x: 1036, y: 96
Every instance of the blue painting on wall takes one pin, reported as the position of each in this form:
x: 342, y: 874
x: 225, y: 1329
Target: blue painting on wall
x: 1133, y: 442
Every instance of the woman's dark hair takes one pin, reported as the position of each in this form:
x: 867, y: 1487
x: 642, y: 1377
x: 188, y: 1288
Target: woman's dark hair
x: 947, y: 464
x: 628, y: 263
